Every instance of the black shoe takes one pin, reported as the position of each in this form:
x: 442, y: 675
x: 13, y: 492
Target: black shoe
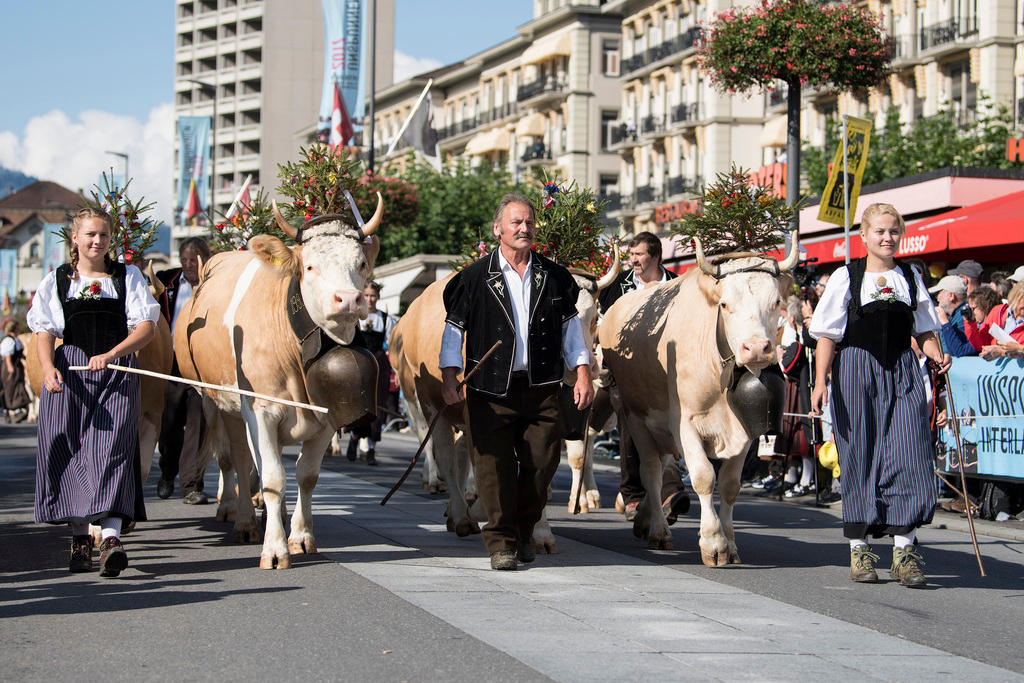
x: 371, y: 457
x: 676, y: 504
x: 353, y: 449
x: 165, y: 487
x: 195, y: 498
x: 799, y: 491
x: 113, y: 558
x: 527, y: 553
x: 81, y: 554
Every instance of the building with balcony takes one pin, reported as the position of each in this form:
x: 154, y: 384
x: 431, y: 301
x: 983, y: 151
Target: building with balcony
x: 674, y: 129
x: 23, y: 218
x: 259, y: 67
x: 545, y: 97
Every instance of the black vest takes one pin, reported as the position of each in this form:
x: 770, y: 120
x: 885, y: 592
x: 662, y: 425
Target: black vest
x: 478, y: 302
x: 882, y: 328
x: 625, y: 282
x: 93, y: 325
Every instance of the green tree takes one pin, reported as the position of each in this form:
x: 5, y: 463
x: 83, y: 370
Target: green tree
x: 897, y: 150
x: 455, y: 207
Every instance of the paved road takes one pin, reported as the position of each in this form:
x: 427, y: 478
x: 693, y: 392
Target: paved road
x: 391, y: 595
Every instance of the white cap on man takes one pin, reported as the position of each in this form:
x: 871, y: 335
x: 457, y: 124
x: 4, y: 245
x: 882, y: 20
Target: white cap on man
x: 950, y: 283
x: 1018, y: 274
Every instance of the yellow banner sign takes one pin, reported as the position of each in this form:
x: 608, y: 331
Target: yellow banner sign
x: 858, y: 133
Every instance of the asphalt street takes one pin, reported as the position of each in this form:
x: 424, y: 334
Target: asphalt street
x: 392, y: 596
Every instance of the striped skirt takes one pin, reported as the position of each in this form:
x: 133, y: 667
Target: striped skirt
x: 87, y: 463
x: 880, y: 421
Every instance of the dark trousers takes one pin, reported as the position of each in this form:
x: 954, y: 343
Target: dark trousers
x: 180, y: 435
x: 631, y: 486
x: 516, y: 447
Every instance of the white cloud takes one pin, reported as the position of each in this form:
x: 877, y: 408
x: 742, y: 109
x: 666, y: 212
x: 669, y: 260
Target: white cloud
x: 73, y: 152
x: 407, y: 66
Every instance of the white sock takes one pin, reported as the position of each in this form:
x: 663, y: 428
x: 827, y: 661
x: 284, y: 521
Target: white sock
x: 854, y: 542
x: 365, y: 445
x: 79, y: 528
x: 111, y: 527
x: 791, y: 474
x: 807, y: 477
x: 904, y: 541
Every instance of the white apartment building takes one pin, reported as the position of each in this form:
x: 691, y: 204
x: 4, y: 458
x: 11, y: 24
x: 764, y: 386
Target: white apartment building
x: 259, y: 67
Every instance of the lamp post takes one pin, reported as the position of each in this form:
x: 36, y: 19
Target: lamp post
x: 212, y: 89
x: 123, y: 155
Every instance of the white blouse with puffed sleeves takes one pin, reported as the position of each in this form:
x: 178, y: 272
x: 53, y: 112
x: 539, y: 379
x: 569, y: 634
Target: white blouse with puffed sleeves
x: 47, y: 315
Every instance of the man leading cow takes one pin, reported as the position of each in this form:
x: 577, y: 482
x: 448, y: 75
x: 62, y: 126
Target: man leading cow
x: 645, y: 271
x: 528, y: 303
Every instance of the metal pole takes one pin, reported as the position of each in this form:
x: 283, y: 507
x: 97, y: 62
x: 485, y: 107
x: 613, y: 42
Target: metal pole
x: 372, y: 50
x: 793, y: 151
x: 213, y: 158
x: 846, y: 196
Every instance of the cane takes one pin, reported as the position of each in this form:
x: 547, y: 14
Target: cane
x: 433, y: 423
x: 951, y: 410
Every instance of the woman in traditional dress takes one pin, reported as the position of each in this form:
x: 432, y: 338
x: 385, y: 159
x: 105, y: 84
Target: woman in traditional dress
x: 12, y: 373
x: 87, y: 467
x: 864, y: 323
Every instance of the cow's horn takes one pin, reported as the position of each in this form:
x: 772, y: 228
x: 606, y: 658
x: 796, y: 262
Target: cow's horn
x: 154, y: 281
x: 612, y: 273
x: 702, y: 261
x: 371, y: 225
x: 285, y: 226
x: 793, y: 256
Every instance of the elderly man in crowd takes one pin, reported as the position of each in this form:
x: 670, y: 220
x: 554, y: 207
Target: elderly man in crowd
x: 951, y: 295
x: 970, y: 272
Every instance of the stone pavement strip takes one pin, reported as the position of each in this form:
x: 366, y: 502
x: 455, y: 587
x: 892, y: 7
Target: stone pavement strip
x: 592, y: 614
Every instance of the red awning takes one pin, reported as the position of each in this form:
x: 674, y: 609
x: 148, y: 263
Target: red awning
x: 995, y: 222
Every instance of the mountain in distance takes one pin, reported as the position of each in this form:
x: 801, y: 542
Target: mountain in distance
x: 12, y: 181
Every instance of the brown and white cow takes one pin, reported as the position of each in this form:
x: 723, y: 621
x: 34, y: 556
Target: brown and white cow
x: 675, y: 351
x: 236, y: 331
x: 414, y: 349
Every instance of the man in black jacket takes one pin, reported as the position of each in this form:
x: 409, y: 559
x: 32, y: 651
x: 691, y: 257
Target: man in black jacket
x: 182, y: 423
x: 528, y: 303
x: 645, y: 271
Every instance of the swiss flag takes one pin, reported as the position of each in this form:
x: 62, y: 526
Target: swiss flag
x: 341, y: 124
x: 195, y: 209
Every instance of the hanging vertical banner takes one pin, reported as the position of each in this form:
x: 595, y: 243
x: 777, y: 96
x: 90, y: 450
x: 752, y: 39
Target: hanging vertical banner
x: 53, y: 247
x: 193, y: 160
x: 8, y: 274
x: 342, y: 31
x: 858, y: 134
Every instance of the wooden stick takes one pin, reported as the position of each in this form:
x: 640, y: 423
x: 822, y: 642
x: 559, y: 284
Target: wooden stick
x: 206, y: 385
x: 433, y: 423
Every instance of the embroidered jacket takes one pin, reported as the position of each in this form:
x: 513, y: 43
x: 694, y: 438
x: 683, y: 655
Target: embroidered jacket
x: 478, y: 302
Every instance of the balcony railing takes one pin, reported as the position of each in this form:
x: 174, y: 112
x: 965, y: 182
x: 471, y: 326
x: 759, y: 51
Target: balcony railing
x: 680, y: 43
x: 622, y: 133
x: 536, y: 152
x: 680, y: 185
x: 644, y: 194
x: 1020, y: 110
x: 904, y: 47
x: 652, y: 124
x: 686, y: 112
x: 551, y: 84
x: 614, y: 201
x: 948, y: 31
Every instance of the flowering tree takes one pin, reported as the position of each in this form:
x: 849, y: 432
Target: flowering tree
x: 799, y: 42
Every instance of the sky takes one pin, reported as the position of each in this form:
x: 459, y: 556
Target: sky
x: 81, y: 78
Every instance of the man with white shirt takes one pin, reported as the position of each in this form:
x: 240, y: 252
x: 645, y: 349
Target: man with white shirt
x: 645, y: 270
x: 182, y: 424
x: 528, y: 303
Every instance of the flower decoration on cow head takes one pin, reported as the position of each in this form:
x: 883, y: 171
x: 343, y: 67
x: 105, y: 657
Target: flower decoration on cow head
x: 570, y: 227
x: 317, y: 182
x: 736, y: 215
x: 235, y: 231
x: 134, y: 230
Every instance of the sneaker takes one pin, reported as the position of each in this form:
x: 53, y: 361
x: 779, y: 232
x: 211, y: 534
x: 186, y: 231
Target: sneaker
x: 676, y: 504
x: 906, y: 567
x: 503, y: 560
x: 766, y: 481
x: 165, y: 487
x: 527, y: 553
x: 862, y: 565
x: 371, y: 457
x: 799, y: 491
x: 81, y: 554
x: 113, y: 558
x: 196, y: 498
x: 630, y: 513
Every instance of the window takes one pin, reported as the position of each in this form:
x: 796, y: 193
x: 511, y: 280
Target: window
x: 185, y: 68
x: 207, y: 64
x: 609, y: 118
x: 226, y: 151
x: 227, y: 61
x: 610, y: 58
x: 252, y: 26
x: 227, y: 120
x: 185, y: 10
x: 185, y: 39
x: 253, y: 56
x: 185, y: 97
x: 227, y: 90
x: 963, y: 94
x: 228, y: 30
